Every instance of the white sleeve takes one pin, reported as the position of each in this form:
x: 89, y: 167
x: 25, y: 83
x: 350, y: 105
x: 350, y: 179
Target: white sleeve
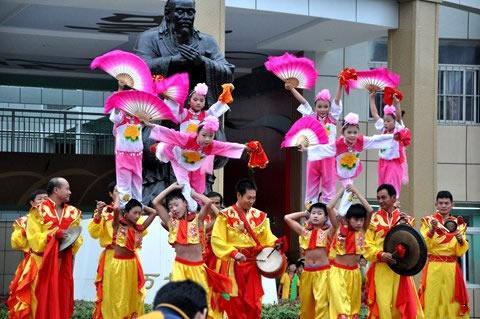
x: 379, y: 125
x: 116, y: 116
x: 305, y: 109
x: 218, y: 109
x: 378, y: 141
x: 321, y: 151
x: 399, y: 125
x: 175, y: 108
x: 336, y: 109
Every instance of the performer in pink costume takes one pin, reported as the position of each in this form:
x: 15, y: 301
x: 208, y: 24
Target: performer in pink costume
x: 392, y: 163
x: 347, y: 148
x: 189, y: 118
x: 127, y: 130
x: 188, y: 154
x: 321, y: 177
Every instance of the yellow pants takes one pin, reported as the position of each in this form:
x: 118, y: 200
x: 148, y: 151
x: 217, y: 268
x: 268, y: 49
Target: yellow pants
x: 103, y: 275
x: 195, y: 271
x: 386, y: 287
x: 122, y: 296
x: 314, y: 293
x: 439, y: 291
x: 345, y: 293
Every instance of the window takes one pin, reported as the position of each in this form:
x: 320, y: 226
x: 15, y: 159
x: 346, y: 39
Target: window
x: 458, y: 94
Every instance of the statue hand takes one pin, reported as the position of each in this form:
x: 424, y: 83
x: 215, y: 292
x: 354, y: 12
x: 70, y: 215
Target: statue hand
x: 178, y: 59
x: 191, y: 54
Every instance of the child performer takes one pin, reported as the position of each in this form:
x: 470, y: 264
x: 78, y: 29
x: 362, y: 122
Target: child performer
x: 347, y: 248
x: 184, y: 230
x: 321, y: 176
x: 392, y: 163
x: 347, y: 149
x: 187, y: 153
x: 443, y: 293
x: 208, y: 222
x: 192, y: 116
x: 127, y: 130
x: 20, y: 297
x: 289, y: 283
x: 125, y: 285
x: 314, y: 240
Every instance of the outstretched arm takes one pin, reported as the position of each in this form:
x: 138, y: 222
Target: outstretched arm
x: 373, y: 106
x: 116, y: 209
x: 338, y: 94
x: 291, y: 220
x: 295, y: 93
x: 398, y: 109
x: 332, y: 212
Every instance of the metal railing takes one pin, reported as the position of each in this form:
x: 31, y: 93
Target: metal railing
x: 60, y: 132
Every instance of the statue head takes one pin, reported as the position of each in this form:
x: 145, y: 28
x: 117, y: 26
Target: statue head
x: 179, y: 16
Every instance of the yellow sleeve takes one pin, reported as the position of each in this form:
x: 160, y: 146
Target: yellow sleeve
x: 424, y: 230
x: 95, y: 229
x: 371, y: 247
x: 282, y: 280
x: 266, y: 237
x: 460, y: 250
x: 219, y: 241
x: 79, y: 241
x: 37, y: 232
x: 19, y: 237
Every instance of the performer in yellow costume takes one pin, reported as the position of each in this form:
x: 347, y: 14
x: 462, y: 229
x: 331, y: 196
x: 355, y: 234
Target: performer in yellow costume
x: 101, y: 228
x: 124, y: 290
x: 289, y: 283
x: 184, y: 234
x: 443, y: 293
x: 20, y: 298
x: 240, y: 232
x: 52, y: 290
x: 389, y: 295
x: 348, y: 246
x: 314, y: 239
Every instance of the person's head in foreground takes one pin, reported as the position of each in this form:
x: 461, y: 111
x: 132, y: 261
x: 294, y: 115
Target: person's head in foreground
x: 181, y: 299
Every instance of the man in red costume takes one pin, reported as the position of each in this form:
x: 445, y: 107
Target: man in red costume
x: 52, y: 290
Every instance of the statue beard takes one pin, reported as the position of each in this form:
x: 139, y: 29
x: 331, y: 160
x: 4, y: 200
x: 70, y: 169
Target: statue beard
x: 183, y: 35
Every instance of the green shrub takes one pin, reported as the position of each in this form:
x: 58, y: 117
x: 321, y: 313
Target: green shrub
x: 281, y: 311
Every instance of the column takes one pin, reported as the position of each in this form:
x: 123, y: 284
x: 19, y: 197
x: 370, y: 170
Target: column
x: 210, y: 19
x: 413, y: 53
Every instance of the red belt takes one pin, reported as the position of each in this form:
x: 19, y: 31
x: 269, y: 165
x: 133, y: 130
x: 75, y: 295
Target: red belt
x: 445, y: 259
x: 347, y: 267
x: 189, y: 262
x: 319, y: 268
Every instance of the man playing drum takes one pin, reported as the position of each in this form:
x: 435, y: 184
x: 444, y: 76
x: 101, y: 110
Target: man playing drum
x: 240, y: 232
x: 314, y: 239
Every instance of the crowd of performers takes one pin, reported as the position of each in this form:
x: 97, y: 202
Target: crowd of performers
x: 217, y: 247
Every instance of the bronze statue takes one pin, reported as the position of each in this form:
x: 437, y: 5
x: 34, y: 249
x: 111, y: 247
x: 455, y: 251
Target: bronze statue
x: 172, y: 47
x: 175, y: 46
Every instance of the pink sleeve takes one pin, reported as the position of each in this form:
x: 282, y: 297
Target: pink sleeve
x: 227, y: 149
x: 169, y: 136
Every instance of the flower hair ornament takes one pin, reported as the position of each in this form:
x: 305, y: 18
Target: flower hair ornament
x: 323, y: 95
x: 201, y: 89
x: 210, y: 124
x: 389, y: 110
x: 351, y: 119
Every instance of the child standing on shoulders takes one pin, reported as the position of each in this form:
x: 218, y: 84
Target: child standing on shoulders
x: 321, y: 178
x: 392, y: 163
x: 314, y: 239
x: 125, y: 285
x: 346, y: 251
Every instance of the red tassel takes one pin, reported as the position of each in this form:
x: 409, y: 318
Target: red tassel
x: 345, y: 76
x: 400, y: 250
x: 404, y: 136
x: 258, y: 157
x: 283, y: 241
x: 389, y: 93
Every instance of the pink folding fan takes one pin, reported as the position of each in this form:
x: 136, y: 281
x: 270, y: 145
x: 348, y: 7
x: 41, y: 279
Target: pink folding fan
x: 174, y: 87
x: 147, y: 107
x: 126, y: 67
x: 300, y: 72
x: 375, y: 79
x: 306, y: 131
